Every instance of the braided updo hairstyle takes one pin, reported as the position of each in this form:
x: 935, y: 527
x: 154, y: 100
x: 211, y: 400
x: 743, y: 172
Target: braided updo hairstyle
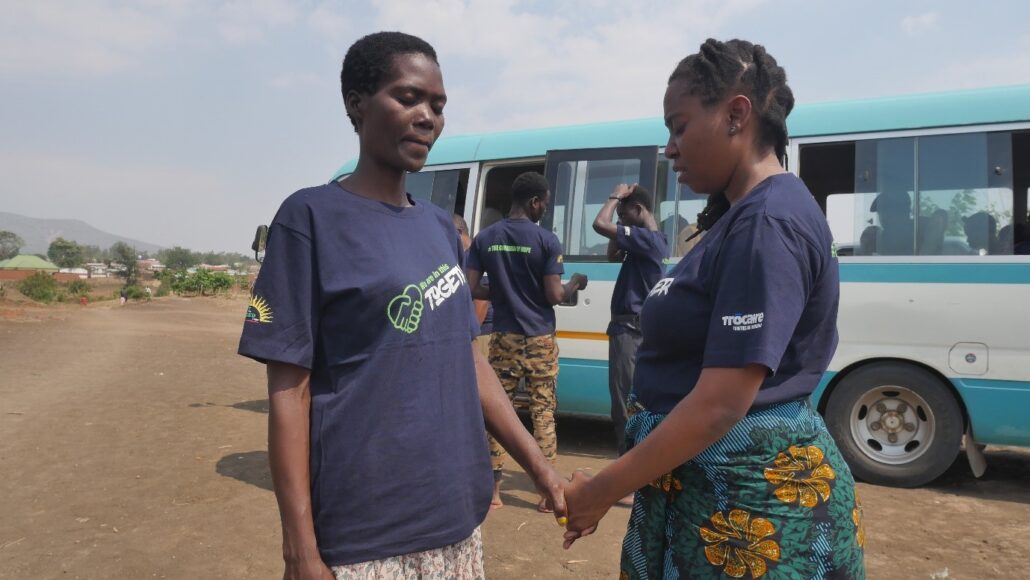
x: 739, y: 66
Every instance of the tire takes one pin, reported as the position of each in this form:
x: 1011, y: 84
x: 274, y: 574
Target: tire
x: 880, y: 400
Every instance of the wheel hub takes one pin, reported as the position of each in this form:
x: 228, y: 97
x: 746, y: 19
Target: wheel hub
x: 892, y: 424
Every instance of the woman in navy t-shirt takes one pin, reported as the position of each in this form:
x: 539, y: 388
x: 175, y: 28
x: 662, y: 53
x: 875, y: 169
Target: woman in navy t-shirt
x: 735, y: 474
x: 365, y: 320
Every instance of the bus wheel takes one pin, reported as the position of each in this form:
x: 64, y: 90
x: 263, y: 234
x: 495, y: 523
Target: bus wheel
x: 895, y: 424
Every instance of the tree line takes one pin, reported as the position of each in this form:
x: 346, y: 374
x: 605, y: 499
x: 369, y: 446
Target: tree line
x: 70, y: 254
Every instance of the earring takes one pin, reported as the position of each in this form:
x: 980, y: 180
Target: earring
x: 733, y: 129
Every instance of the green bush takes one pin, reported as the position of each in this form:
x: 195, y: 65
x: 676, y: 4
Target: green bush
x: 163, y: 289
x: 79, y: 288
x: 40, y: 287
x: 201, y: 282
x: 136, y: 292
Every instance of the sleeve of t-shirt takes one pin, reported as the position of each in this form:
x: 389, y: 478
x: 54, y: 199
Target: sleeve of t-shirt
x: 640, y: 241
x: 759, y: 288
x: 282, y: 317
x: 553, y: 258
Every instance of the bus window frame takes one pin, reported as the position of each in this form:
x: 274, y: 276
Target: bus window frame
x: 794, y: 151
x: 470, y: 188
x: 474, y: 212
x: 647, y: 155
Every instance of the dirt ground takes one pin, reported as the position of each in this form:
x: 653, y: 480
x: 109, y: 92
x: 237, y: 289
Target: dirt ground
x: 132, y: 445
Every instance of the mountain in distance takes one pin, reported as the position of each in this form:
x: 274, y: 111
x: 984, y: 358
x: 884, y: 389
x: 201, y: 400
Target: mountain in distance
x: 38, y: 233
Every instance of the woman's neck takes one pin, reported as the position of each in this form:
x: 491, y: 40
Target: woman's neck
x: 378, y: 182
x: 749, y: 173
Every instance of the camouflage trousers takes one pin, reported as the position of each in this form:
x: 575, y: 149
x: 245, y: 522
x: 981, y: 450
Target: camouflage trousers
x: 535, y: 358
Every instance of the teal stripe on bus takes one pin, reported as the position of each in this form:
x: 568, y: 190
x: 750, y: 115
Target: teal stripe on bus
x: 583, y: 387
x: 916, y: 273
x: 896, y: 273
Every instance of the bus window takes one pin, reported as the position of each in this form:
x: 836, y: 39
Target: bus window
x: 676, y: 209
x: 588, y: 184
x: 444, y: 189
x: 965, y: 193
x: 930, y: 195
x: 497, y: 190
x: 1021, y: 186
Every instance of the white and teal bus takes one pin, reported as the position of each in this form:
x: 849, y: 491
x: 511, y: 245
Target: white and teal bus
x: 926, y: 197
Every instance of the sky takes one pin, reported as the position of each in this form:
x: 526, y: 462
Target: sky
x: 187, y: 122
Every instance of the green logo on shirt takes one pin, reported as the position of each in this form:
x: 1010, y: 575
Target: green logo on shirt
x: 406, y: 309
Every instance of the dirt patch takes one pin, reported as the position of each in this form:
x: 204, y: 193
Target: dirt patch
x: 132, y: 443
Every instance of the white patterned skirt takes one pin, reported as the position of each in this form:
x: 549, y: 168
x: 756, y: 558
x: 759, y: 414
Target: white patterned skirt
x: 460, y: 561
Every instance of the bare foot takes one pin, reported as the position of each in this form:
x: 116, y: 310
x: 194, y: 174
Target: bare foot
x: 496, y: 502
x: 542, y: 506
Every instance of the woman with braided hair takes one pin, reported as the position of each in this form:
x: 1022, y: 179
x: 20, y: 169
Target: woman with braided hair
x: 735, y: 473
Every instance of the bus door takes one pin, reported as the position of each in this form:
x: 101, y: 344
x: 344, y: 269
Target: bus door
x: 581, y: 181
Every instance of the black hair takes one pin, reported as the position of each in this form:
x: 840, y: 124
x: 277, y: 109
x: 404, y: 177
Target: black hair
x: 714, y: 209
x: 640, y: 195
x: 460, y: 223
x: 369, y: 61
x: 527, y: 186
x: 738, y: 65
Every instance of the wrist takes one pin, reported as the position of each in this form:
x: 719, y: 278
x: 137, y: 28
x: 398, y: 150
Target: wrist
x: 599, y: 490
x: 539, y: 467
x: 301, y: 553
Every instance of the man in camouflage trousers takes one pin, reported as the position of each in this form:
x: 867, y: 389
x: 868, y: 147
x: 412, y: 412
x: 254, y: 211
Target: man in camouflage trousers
x: 524, y: 264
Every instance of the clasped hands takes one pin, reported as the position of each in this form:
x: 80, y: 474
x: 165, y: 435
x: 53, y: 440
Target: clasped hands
x: 579, y: 504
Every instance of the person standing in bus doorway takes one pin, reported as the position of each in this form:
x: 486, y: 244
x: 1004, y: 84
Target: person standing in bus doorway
x: 484, y: 311
x: 524, y: 263
x: 637, y: 243
x: 363, y: 316
x: 735, y: 473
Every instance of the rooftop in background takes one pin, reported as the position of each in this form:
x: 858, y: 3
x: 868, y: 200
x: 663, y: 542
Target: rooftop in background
x: 27, y: 262
x: 989, y: 106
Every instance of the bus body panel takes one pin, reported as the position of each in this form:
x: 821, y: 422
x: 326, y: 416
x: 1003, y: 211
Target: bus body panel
x: 998, y: 410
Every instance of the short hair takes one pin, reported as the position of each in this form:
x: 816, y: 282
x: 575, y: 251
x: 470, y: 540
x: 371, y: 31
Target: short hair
x: 460, y: 224
x: 527, y: 186
x: 738, y: 65
x: 640, y: 195
x: 369, y: 61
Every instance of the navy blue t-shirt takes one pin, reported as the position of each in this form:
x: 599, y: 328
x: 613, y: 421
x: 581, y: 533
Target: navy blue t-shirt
x: 641, y: 269
x: 517, y: 254
x: 761, y: 287
x: 373, y: 299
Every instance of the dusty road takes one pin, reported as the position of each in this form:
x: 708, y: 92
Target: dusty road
x: 132, y: 445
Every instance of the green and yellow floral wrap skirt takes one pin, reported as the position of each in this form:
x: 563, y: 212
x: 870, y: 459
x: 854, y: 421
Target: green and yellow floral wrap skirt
x: 772, y: 499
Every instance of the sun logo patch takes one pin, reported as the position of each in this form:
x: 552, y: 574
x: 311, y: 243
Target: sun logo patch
x: 258, y: 310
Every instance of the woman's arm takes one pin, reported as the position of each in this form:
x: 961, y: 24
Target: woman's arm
x: 507, y: 429
x: 603, y: 222
x: 719, y: 401
x: 289, y: 441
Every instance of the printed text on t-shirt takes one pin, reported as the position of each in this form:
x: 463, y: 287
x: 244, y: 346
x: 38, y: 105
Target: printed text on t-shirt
x: 510, y: 248
x: 744, y: 321
x: 661, y: 288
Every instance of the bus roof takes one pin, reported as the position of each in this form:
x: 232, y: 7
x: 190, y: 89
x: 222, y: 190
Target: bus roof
x: 947, y: 109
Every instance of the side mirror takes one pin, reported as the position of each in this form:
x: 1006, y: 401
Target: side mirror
x: 260, y: 239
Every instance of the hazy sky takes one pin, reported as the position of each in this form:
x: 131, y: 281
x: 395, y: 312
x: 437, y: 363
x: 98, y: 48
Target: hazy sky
x: 188, y: 121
